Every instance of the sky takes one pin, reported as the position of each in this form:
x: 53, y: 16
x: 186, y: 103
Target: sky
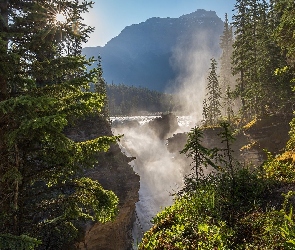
x: 110, y: 17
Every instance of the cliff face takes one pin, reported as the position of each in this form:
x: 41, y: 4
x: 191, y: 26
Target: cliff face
x: 269, y: 133
x: 114, y: 173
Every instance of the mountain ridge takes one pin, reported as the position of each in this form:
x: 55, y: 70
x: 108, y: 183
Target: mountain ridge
x: 141, y: 54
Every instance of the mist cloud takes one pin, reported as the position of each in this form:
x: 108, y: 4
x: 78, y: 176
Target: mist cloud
x: 192, y: 61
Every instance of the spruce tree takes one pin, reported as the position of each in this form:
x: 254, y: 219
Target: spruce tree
x: 283, y: 28
x: 101, y: 88
x: 255, y: 59
x: 284, y: 33
x: 240, y: 51
x: 44, y: 90
x: 226, y: 45
x: 213, y: 95
x: 227, y: 82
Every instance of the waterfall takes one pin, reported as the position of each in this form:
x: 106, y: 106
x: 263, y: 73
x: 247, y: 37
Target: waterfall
x: 161, y: 172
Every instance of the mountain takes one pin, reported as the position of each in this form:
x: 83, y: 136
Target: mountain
x: 142, y: 54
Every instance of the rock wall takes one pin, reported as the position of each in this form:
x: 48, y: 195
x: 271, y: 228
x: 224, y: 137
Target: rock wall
x: 114, y: 173
x: 269, y: 133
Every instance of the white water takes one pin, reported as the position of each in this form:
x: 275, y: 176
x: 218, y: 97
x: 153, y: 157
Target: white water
x: 161, y: 173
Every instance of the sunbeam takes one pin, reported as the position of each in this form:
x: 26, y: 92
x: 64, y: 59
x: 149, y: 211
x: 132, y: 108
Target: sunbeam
x: 60, y: 18
x: 57, y: 19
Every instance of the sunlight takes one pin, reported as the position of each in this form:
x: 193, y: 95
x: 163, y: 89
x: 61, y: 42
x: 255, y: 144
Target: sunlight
x: 60, y: 18
x: 76, y: 28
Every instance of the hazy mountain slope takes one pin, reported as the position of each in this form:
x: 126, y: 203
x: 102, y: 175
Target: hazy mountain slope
x: 141, y: 54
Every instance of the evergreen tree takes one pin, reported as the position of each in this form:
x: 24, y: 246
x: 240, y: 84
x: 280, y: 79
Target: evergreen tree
x: 228, y: 104
x: 240, y: 52
x: 227, y: 81
x: 255, y: 58
x: 284, y: 33
x: 101, y: 88
x: 202, y: 157
x: 205, y: 112
x: 44, y: 90
x: 213, y: 95
x: 226, y: 45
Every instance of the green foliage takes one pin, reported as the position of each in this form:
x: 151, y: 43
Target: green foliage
x: 191, y: 223
x: 208, y: 218
x: 212, y: 107
x: 22, y: 242
x: 228, y: 208
x: 288, y: 228
x: 45, y: 92
x: 225, y: 209
x: 260, y: 230
x: 281, y: 167
x: 273, y: 229
x: 201, y: 156
x: 284, y: 32
x: 100, y: 87
x: 257, y: 55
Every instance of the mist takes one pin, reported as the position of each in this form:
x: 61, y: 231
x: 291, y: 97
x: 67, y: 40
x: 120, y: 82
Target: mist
x: 192, y: 61
x: 162, y: 172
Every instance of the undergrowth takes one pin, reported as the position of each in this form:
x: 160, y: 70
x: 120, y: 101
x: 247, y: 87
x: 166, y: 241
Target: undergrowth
x: 228, y: 208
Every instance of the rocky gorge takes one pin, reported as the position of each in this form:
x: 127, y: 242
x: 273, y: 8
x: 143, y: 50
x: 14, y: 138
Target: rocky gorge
x: 145, y: 179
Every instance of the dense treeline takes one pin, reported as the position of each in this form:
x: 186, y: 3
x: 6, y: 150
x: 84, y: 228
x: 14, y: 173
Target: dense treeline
x: 258, y: 52
x: 44, y: 90
x: 256, y: 65
x: 130, y: 100
x: 230, y: 208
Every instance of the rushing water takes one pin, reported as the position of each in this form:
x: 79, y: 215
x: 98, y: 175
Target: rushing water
x: 161, y: 172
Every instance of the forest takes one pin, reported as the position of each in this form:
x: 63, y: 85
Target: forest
x: 45, y: 90
x: 130, y: 100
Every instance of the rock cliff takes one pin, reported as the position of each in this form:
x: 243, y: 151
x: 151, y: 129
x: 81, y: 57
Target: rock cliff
x: 114, y: 173
x: 268, y: 133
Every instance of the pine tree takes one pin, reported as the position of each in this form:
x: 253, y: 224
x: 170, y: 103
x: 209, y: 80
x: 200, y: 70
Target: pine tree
x: 45, y: 89
x: 101, y: 88
x: 227, y: 81
x: 205, y: 112
x: 240, y: 51
x: 255, y: 58
x: 226, y: 45
x: 229, y: 104
x: 283, y: 13
x: 202, y: 157
x: 4, y: 57
x: 213, y: 95
x: 284, y: 33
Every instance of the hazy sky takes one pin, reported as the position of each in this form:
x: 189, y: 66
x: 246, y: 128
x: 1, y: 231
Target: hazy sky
x: 110, y: 17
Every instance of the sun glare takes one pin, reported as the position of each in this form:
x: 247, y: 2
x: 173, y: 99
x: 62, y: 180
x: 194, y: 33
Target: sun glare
x: 60, y: 18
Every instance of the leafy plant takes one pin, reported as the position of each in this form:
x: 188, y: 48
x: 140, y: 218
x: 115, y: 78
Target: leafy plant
x: 191, y: 223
